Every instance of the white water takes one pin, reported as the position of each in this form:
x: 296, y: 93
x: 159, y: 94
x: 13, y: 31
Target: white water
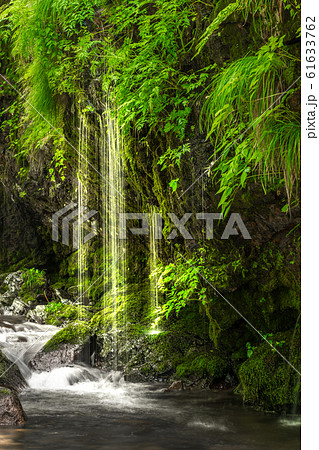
x: 81, y: 407
x: 20, y: 342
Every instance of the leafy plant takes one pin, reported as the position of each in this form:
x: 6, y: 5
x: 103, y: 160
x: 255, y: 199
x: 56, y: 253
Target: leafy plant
x: 253, y: 136
x: 53, y: 307
x: 182, y: 282
x: 173, y: 184
x: 149, y: 86
x: 34, y: 277
x: 215, y: 24
x: 50, y: 42
x: 250, y: 349
x: 173, y: 156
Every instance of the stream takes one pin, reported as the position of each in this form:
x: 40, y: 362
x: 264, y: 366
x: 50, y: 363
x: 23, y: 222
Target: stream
x: 79, y: 407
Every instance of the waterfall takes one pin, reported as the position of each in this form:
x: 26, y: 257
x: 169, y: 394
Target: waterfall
x: 153, y: 267
x: 82, y: 176
x: 113, y: 203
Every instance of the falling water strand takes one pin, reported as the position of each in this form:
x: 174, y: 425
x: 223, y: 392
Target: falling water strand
x: 153, y: 266
x: 113, y: 204
x: 82, y: 200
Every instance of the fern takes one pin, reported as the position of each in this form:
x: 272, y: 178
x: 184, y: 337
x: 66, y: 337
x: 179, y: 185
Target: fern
x: 43, y: 33
x: 242, y: 98
x: 215, y: 24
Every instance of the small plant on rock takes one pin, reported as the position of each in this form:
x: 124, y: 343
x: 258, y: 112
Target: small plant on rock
x: 34, y: 277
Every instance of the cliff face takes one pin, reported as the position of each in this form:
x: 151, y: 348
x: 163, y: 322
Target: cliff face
x: 185, y: 82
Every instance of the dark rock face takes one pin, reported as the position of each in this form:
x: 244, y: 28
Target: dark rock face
x: 10, y: 375
x: 66, y: 354
x: 11, y: 382
x: 11, y: 412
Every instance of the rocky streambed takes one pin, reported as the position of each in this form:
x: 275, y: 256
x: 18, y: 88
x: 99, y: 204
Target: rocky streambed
x: 60, y: 402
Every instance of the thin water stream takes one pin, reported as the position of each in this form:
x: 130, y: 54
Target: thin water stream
x: 113, y: 204
x: 78, y: 407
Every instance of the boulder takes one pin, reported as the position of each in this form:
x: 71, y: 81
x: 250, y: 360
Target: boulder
x: 176, y: 386
x: 38, y: 314
x: 10, y: 375
x: 11, y: 382
x: 66, y: 354
x: 11, y: 412
x: 14, y: 281
x: 18, y: 307
x: 7, y: 298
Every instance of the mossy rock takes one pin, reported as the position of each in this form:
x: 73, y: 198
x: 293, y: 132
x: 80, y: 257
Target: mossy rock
x: 58, y: 313
x: 211, y: 366
x: 267, y: 380
x: 74, y: 333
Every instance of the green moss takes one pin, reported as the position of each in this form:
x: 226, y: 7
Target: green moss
x: 27, y: 294
x: 74, y: 333
x: 4, y: 391
x: 58, y: 313
x: 207, y: 365
x: 266, y: 380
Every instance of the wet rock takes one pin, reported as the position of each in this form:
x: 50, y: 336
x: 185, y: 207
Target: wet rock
x: 14, y: 281
x: 8, y: 321
x: 11, y: 284
x: 6, y: 298
x: 176, y: 386
x: 11, y: 377
x: 63, y: 296
x: 18, y: 307
x: 38, y: 314
x: 11, y: 412
x: 65, y: 355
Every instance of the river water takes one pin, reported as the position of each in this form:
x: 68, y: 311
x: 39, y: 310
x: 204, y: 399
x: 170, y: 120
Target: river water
x: 78, y: 407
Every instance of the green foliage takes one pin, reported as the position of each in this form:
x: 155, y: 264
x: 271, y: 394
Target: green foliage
x: 182, y: 282
x: 252, y: 137
x: 173, y: 156
x: 34, y: 277
x: 267, y: 15
x: 173, y: 184
x: 53, y: 308
x: 50, y: 42
x: 250, y: 349
x: 10, y: 120
x: 149, y: 86
x: 219, y: 19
